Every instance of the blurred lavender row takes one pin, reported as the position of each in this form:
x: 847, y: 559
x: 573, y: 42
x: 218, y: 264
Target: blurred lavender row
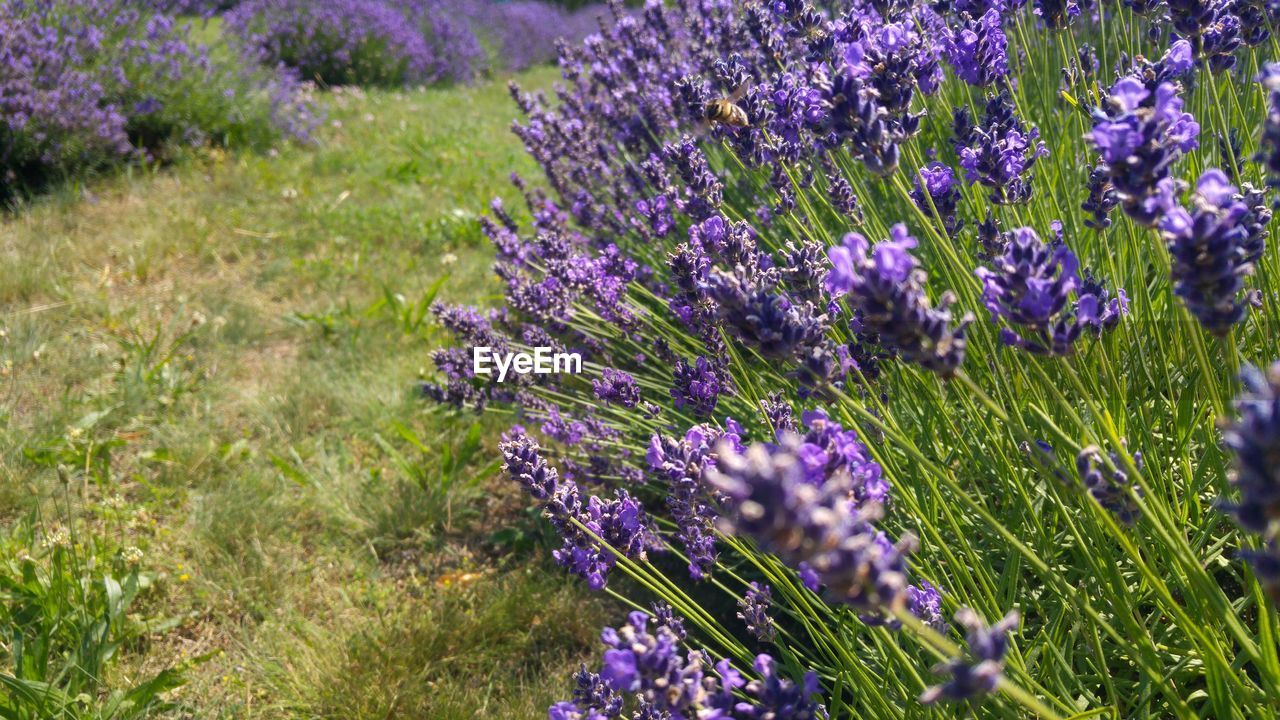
x: 403, y: 42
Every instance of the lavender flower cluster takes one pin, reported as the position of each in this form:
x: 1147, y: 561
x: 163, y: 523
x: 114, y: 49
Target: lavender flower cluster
x: 88, y: 83
x: 592, y: 530
x: 1255, y: 439
x: 748, y: 294
x: 648, y: 667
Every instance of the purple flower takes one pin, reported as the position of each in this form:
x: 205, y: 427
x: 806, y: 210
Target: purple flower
x: 884, y: 286
x: 617, y: 387
x: 1000, y: 152
x: 753, y: 609
x: 925, y: 602
x: 1211, y: 29
x: 522, y: 461
x: 1102, y: 199
x: 1255, y: 439
x: 1058, y: 14
x: 1139, y: 136
x: 978, y: 674
x: 1269, y: 152
x: 978, y: 50
x: 619, y: 522
x: 681, y: 463
x: 937, y: 196
x: 697, y: 386
x: 1212, y: 248
x: 1110, y: 485
x: 761, y: 317
x: 769, y: 498
x: 649, y: 668
x: 1029, y: 288
x: 827, y: 448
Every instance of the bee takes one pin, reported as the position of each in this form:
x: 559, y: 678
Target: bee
x: 725, y: 112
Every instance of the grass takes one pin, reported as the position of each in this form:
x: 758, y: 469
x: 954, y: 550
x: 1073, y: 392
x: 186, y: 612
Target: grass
x: 214, y: 363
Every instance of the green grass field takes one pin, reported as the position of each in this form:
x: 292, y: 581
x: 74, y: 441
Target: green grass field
x: 214, y: 363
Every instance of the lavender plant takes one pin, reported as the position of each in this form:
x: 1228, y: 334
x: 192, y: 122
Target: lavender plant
x: 405, y: 42
x: 89, y: 83
x: 784, y: 373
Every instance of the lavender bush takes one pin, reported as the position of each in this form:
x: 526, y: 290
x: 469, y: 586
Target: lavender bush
x: 523, y: 33
x: 940, y: 348
x: 405, y: 42
x: 88, y: 83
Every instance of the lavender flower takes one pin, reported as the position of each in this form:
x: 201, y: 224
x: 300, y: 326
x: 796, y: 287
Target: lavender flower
x: 522, y: 461
x: 1140, y: 135
x: 1030, y: 289
x: 1210, y: 27
x: 682, y: 464
x: 1000, y: 152
x: 827, y: 448
x: 619, y: 522
x: 884, y: 285
x: 770, y: 499
x: 753, y: 609
x: 978, y: 50
x: 1211, y: 250
x: 649, y: 668
x: 697, y: 386
x: 1269, y: 153
x: 617, y: 387
x: 978, y: 674
x: 925, y: 602
x: 1101, y: 201
x: 1058, y: 14
x: 937, y: 196
x: 1256, y: 19
x: 763, y: 318
x: 1254, y: 438
x: 1110, y: 486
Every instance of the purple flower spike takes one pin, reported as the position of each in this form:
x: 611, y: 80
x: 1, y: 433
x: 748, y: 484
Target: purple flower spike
x: 978, y: 50
x: 1269, y: 154
x: 979, y: 674
x: 937, y: 196
x: 769, y: 498
x: 1029, y: 289
x: 617, y: 387
x: 1255, y: 439
x: 1213, y: 248
x: 681, y: 463
x: 620, y: 522
x: 697, y: 386
x: 1140, y: 134
x: 646, y: 668
x: 884, y: 286
x: 753, y: 609
x: 1000, y: 152
x: 925, y: 602
x: 1110, y: 485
